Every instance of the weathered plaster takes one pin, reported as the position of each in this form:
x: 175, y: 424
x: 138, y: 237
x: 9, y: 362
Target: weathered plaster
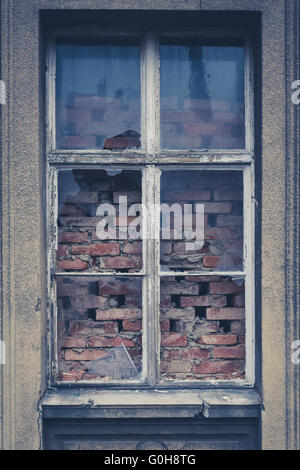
x: 23, y: 222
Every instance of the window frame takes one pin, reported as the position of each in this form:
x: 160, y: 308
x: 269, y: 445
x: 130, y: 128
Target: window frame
x: 151, y: 161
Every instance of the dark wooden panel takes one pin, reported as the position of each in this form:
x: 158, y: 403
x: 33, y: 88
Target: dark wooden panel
x: 167, y: 434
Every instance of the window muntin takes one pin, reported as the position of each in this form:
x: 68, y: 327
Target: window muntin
x: 202, y: 94
x: 152, y: 162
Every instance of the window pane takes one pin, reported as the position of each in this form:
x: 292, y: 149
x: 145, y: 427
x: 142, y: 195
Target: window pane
x: 202, y: 220
x: 202, y: 94
x: 98, y: 95
x: 99, y: 328
x: 202, y: 328
x: 99, y: 226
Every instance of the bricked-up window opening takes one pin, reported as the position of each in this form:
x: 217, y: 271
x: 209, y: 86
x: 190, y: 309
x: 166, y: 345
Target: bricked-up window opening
x: 151, y: 208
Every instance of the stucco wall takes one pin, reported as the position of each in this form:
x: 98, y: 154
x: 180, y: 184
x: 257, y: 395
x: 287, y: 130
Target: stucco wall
x: 23, y: 225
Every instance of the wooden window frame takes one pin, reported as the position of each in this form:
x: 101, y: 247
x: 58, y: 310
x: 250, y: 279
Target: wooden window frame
x: 151, y: 161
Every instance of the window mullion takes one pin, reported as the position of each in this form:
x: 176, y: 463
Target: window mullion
x: 151, y: 260
x: 249, y: 95
x: 150, y: 78
x: 249, y: 265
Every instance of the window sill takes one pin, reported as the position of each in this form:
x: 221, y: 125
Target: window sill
x: 221, y: 403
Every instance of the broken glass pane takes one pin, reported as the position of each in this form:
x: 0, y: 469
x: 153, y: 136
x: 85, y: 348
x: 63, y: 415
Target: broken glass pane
x: 202, y: 322
x: 99, y: 221
x: 201, y: 220
x: 99, y: 328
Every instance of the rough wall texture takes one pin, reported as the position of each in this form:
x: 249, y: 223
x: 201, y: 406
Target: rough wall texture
x: 23, y: 230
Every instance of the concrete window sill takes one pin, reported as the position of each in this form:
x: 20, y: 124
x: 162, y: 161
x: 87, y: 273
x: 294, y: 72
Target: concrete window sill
x: 221, y: 403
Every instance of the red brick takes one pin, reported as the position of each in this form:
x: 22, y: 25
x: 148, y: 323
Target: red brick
x: 228, y: 194
x: 237, y: 327
x: 230, y: 313
x: 119, y: 314
x: 66, y: 289
x: 89, y: 328
x: 234, y: 247
x: 204, y: 300
x: 218, y: 339
x: 234, y: 352
x: 229, y: 221
x: 165, y: 301
x: 211, y: 261
x: 201, y: 327
x: 220, y: 234
x: 217, y: 207
x: 239, y: 300
x: 227, y: 142
x: 74, y: 343
x: 188, y: 353
x: 72, y: 265
x: 72, y: 209
x: 87, y: 355
x: 242, y: 339
x: 62, y: 251
x: 226, y: 287
x: 165, y: 248
x: 134, y: 248
x: 216, y: 367
x: 71, y: 376
x: 88, y: 376
x: 121, y: 262
x: 105, y: 342
x: 165, y: 325
x: 197, y: 103
x: 75, y: 115
x: 175, y: 366
x: 124, y: 221
x: 96, y: 102
x: 180, y: 248
x: 132, y: 301
x: 129, y: 325
x: 86, y: 222
x: 187, y: 195
x: 179, y: 116
x: 173, y: 339
x: 73, y: 237
x: 187, y: 314
x: 202, y: 128
x: 83, y: 302
x: 114, y: 236
x: 77, y: 142
x: 125, y: 287
x: 181, y: 287
x: 228, y: 117
x: 96, y: 249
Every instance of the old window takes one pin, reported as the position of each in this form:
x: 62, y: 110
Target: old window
x: 150, y: 207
